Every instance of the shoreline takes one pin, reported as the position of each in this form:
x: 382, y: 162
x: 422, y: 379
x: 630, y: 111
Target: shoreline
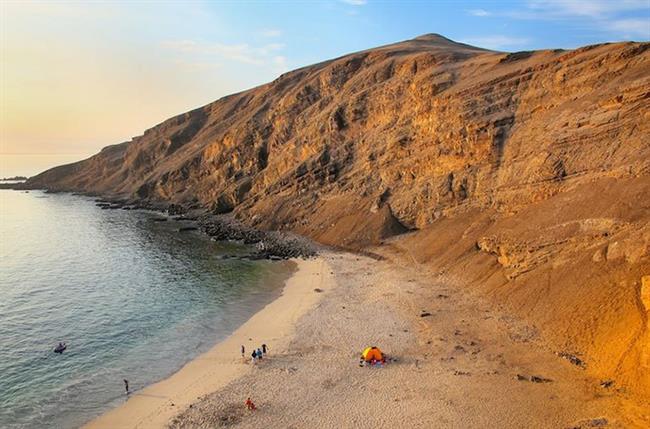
x: 155, y: 405
x: 272, y: 245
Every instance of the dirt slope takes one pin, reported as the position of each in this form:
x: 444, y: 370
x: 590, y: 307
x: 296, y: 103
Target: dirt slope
x: 523, y: 175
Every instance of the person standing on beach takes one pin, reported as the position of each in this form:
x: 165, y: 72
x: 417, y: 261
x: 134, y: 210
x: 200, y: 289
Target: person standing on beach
x: 126, y: 386
x: 254, y: 355
x: 250, y: 405
x: 259, y: 354
x: 263, y: 348
x: 243, y: 351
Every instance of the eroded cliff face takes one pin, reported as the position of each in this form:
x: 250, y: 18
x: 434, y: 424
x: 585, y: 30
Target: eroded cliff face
x: 526, y: 173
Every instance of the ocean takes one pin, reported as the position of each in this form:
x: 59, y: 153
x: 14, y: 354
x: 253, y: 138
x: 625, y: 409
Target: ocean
x: 133, y: 299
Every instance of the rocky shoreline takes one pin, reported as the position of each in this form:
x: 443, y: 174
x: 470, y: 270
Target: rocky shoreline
x: 272, y: 245
x: 268, y: 245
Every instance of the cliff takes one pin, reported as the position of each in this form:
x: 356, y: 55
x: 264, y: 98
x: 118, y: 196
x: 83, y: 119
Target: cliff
x: 523, y: 175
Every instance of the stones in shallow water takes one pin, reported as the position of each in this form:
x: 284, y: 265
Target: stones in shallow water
x: 268, y: 244
x: 109, y: 205
x: 188, y: 218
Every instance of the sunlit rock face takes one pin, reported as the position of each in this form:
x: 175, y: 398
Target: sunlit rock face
x: 645, y: 343
x: 429, y: 126
x: 526, y: 174
x: 645, y: 292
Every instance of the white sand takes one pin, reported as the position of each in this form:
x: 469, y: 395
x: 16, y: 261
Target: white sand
x: 274, y: 325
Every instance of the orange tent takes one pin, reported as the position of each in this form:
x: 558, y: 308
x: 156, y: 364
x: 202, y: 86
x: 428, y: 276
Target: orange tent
x: 371, y: 353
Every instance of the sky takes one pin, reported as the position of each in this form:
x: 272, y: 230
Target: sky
x: 77, y: 76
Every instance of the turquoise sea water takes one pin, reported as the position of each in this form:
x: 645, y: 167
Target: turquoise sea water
x: 132, y: 298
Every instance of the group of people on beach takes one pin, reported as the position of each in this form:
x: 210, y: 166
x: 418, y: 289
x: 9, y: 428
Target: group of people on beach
x: 257, y: 354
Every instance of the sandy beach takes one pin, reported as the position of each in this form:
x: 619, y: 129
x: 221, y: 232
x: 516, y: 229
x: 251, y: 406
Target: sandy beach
x: 274, y: 325
x: 465, y: 365
x: 459, y: 363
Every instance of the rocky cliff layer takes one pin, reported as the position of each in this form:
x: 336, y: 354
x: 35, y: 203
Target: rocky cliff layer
x: 526, y: 174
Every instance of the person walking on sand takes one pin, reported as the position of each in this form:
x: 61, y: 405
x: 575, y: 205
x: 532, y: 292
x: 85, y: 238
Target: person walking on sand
x: 254, y: 356
x: 259, y: 354
x: 243, y: 351
x: 126, y: 386
x: 264, y: 348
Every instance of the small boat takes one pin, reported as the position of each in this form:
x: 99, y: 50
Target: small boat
x: 60, y: 348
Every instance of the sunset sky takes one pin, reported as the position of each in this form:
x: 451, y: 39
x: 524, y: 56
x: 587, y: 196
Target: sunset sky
x: 77, y: 76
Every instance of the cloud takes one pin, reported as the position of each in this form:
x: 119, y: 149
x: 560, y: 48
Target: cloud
x: 355, y: 2
x: 612, y: 16
x: 271, y: 32
x: 193, y: 66
x: 479, y: 12
x: 632, y: 27
x: 279, y: 64
x: 239, y: 52
x: 59, y: 10
x: 496, y: 42
x: 588, y: 8
x: 273, y: 47
x: 204, y: 53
